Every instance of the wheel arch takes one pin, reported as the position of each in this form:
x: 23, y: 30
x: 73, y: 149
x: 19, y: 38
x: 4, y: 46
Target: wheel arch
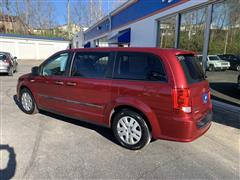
x: 23, y: 86
x: 145, y: 111
x: 34, y: 109
x: 121, y: 107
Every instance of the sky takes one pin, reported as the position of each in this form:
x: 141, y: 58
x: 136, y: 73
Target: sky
x: 61, y: 8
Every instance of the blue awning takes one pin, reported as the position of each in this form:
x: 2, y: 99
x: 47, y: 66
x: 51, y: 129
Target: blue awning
x: 123, y: 37
x: 87, y: 45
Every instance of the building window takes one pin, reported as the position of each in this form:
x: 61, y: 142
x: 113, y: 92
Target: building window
x: 166, y: 32
x: 192, y: 29
x: 225, y: 28
x: 102, y: 42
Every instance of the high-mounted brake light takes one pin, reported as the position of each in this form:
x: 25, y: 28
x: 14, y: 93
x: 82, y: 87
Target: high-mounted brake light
x: 181, y: 100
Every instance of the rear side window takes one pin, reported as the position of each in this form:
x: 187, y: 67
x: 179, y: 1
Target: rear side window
x: 139, y: 66
x: 191, y: 68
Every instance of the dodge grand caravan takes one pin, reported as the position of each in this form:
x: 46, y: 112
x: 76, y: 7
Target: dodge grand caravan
x: 140, y: 93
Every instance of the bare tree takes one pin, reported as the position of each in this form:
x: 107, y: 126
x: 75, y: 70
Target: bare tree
x: 79, y: 13
x: 117, y: 3
x: 34, y: 14
x: 86, y: 13
x: 95, y: 11
x: 68, y: 17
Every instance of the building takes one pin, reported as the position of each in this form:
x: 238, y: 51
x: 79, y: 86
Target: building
x: 26, y: 47
x: 185, y: 24
x: 78, y: 39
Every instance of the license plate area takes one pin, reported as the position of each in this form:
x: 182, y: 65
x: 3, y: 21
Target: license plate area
x: 205, y: 121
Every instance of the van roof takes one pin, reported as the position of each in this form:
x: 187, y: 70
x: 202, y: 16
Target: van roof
x: 137, y: 49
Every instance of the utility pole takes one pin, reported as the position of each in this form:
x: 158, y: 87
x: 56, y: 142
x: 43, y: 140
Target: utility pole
x: 100, y: 10
x: 68, y: 18
x: 91, y: 13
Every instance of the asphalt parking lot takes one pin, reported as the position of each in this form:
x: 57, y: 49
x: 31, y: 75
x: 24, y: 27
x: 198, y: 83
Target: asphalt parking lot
x: 47, y: 146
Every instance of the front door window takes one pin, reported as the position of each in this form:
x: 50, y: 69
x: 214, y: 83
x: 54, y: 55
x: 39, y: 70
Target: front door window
x: 56, y: 66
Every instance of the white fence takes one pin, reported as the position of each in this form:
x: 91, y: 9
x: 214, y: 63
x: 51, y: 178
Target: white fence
x: 27, y: 48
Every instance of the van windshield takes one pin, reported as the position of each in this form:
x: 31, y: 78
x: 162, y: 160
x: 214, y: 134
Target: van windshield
x: 2, y: 57
x: 192, y: 68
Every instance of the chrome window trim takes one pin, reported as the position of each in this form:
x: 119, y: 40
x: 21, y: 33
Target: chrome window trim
x: 71, y: 101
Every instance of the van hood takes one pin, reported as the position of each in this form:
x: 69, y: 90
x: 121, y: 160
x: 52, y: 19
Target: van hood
x: 222, y: 61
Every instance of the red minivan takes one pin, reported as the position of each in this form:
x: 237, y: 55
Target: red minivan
x: 141, y: 93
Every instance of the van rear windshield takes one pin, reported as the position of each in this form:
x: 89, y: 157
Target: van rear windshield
x: 192, y: 68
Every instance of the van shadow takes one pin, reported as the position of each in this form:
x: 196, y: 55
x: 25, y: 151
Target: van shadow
x: 226, y: 118
x: 9, y: 171
x: 17, y: 102
x: 228, y: 89
x: 103, y: 131
x: 3, y: 74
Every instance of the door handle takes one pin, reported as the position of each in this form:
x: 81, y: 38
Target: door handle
x: 71, y: 84
x: 59, y: 82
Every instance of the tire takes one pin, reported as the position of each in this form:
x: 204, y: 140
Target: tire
x: 130, y: 129
x: 238, y: 68
x: 10, y: 72
x: 238, y: 83
x: 211, y: 68
x: 27, y: 102
x: 16, y: 69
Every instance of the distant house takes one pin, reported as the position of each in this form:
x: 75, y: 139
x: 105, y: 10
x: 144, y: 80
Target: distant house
x: 12, y: 24
x: 60, y: 31
x: 73, y: 28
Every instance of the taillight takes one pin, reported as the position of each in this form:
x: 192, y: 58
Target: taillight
x: 182, y: 100
x: 7, y: 61
x: 209, y: 95
x: 209, y: 99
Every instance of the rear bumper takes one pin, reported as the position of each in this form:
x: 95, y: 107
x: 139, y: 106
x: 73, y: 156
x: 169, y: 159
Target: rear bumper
x: 186, y: 130
x: 204, y: 121
x: 222, y: 68
x: 4, y: 70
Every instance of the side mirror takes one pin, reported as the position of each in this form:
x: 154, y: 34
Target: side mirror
x: 35, y: 71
